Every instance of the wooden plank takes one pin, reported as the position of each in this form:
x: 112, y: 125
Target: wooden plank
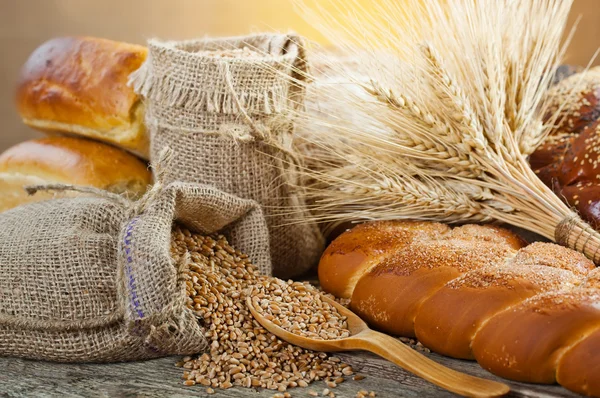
x: 156, y: 378
x: 159, y: 378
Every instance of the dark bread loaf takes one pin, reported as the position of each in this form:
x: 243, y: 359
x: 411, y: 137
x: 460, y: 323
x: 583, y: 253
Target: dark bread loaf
x: 576, y: 100
x: 551, y: 153
x: 567, y: 161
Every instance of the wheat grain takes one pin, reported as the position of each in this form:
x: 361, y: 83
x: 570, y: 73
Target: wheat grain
x: 243, y: 353
x: 298, y: 308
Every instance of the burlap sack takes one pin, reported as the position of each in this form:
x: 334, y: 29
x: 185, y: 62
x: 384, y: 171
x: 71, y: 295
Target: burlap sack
x: 225, y: 107
x: 92, y: 278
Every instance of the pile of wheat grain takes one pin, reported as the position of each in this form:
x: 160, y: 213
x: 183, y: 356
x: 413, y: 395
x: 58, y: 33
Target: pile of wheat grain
x: 242, y: 352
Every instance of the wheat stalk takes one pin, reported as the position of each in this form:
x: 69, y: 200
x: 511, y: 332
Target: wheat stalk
x: 437, y: 115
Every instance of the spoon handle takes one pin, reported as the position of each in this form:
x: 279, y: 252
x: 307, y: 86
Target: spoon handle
x: 395, y: 351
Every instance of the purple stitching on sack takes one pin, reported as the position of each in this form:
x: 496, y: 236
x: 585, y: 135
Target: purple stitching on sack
x: 127, y: 239
x: 128, y: 268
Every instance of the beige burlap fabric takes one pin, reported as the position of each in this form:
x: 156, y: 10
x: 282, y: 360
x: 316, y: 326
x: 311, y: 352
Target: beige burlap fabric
x: 225, y: 108
x: 92, y: 278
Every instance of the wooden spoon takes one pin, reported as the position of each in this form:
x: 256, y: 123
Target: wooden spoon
x: 363, y: 338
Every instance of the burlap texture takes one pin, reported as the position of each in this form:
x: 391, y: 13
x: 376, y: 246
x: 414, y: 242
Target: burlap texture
x: 229, y: 122
x: 92, y: 278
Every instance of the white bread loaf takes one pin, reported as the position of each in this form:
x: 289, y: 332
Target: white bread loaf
x: 68, y: 160
x: 528, y: 313
x: 78, y: 85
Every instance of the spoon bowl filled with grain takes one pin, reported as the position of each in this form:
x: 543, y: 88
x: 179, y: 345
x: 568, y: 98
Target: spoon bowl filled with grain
x: 298, y: 313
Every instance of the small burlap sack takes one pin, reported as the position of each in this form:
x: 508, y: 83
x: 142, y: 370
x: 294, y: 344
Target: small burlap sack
x: 225, y: 107
x: 92, y: 278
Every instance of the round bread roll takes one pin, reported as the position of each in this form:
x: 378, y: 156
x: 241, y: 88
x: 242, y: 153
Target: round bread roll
x: 527, y: 342
x: 78, y: 85
x: 68, y: 160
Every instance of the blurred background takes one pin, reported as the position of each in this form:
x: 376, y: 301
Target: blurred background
x: 25, y: 24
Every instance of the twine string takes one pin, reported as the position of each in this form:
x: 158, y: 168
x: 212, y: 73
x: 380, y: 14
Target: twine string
x: 33, y: 189
x: 159, y: 168
x: 571, y: 230
x: 264, y: 133
x: 288, y: 162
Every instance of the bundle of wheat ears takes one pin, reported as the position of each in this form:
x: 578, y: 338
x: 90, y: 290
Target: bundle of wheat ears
x: 436, y: 114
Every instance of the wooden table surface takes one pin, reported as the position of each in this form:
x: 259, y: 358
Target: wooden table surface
x: 160, y: 378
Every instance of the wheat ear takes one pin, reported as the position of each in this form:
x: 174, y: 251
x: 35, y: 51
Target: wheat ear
x: 437, y: 115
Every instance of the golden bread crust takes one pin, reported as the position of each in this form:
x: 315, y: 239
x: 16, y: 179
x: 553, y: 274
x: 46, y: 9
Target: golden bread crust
x: 389, y: 268
x: 527, y: 342
x: 527, y: 313
x: 352, y: 253
x: 553, y: 255
x: 69, y: 160
x: 78, y: 85
x: 449, y: 319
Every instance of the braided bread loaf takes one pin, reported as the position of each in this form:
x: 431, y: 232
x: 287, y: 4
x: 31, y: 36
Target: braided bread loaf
x: 527, y: 313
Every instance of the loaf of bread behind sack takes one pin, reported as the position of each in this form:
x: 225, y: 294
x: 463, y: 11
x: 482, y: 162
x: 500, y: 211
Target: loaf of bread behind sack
x: 68, y: 160
x: 78, y: 85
